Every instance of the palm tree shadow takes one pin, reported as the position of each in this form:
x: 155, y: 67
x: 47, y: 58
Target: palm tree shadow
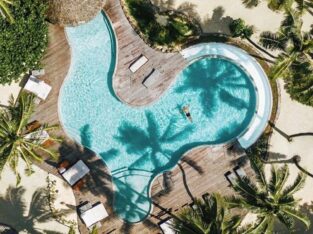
x: 217, y: 22
x: 215, y: 82
x: 13, y: 210
x: 98, y: 181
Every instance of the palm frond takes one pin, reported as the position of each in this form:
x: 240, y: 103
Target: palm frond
x: 286, y: 220
x: 283, y: 174
x: 5, y: 11
x: 273, y: 181
x: 250, y: 3
x: 273, y: 41
x: 296, y: 186
x: 297, y: 215
x: 258, y: 169
x: 281, y: 66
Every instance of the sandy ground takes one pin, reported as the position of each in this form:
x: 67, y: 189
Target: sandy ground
x: 215, y: 15
x: 7, y: 90
x: 65, y: 200
x: 295, y: 118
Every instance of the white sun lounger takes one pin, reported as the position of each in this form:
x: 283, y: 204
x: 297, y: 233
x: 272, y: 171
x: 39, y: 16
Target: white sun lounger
x: 40, y: 136
x: 40, y: 72
x: 240, y: 172
x: 138, y: 63
x: 151, y: 78
x: 38, y: 87
x: 94, y: 215
x: 76, y: 172
x: 231, y: 177
x: 166, y: 226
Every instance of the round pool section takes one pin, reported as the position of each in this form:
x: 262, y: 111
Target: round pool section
x: 137, y: 144
x: 245, y: 61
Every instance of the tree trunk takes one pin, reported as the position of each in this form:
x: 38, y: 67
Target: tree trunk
x: 260, y: 48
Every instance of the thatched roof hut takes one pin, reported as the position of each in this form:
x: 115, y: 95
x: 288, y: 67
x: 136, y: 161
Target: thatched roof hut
x: 73, y: 12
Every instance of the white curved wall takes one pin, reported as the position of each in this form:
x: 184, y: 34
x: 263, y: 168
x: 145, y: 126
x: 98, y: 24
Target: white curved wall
x: 264, y: 94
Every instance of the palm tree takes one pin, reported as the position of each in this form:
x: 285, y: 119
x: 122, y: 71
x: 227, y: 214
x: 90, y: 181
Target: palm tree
x: 209, y: 216
x: 270, y: 199
x: 279, y: 5
x: 5, y: 11
x: 239, y: 28
x: 295, y: 62
x: 16, y: 141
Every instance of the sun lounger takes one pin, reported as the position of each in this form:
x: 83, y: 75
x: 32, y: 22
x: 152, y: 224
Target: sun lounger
x: 93, y: 215
x: 142, y: 60
x: 39, y: 135
x: 165, y: 226
x: 39, y: 72
x: 240, y: 172
x: 150, y: 79
x: 38, y: 87
x: 75, y: 172
x: 84, y: 207
x: 231, y: 177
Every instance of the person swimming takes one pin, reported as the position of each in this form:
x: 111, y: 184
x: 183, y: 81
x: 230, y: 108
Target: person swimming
x: 187, y: 113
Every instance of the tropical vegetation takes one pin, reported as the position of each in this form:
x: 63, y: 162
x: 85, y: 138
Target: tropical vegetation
x: 211, y: 215
x: 295, y: 61
x: 22, y: 43
x: 271, y: 200
x: 281, y: 5
x: 14, y: 210
x: 16, y: 140
x: 169, y: 29
x: 5, y: 10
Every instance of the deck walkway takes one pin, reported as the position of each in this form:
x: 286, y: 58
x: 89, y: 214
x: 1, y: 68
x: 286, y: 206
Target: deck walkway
x: 201, y: 171
x: 128, y: 86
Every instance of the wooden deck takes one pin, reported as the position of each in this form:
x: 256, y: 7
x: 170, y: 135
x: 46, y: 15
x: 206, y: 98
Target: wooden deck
x: 201, y: 171
x: 127, y: 85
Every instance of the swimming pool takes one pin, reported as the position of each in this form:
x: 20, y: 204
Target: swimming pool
x: 137, y: 144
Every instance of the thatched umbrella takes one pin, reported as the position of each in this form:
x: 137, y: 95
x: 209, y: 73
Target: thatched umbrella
x: 73, y: 12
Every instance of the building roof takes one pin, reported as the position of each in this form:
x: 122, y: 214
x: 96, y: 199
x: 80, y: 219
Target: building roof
x: 73, y: 12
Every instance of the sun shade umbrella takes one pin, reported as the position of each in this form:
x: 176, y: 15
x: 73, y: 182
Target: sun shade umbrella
x: 73, y: 12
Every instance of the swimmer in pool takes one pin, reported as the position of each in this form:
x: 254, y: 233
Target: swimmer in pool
x: 187, y: 113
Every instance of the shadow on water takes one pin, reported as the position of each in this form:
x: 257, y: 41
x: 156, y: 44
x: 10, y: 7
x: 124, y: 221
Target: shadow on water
x: 151, y: 142
x: 150, y: 145
x: 216, y: 82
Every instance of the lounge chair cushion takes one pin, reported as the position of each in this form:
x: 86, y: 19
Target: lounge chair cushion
x: 76, y: 172
x: 138, y: 63
x: 94, y: 215
x: 151, y: 78
x: 38, y: 87
x: 166, y: 226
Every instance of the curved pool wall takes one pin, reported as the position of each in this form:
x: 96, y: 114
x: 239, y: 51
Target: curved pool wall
x: 137, y: 144
x: 250, y: 65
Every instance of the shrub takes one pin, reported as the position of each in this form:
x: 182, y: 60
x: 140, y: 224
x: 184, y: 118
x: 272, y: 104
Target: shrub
x: 22, y: 44
x: 238, y: 28
x: 176, y: 31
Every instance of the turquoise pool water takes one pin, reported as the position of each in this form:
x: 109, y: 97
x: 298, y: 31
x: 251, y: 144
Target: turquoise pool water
x: 139, y: 143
